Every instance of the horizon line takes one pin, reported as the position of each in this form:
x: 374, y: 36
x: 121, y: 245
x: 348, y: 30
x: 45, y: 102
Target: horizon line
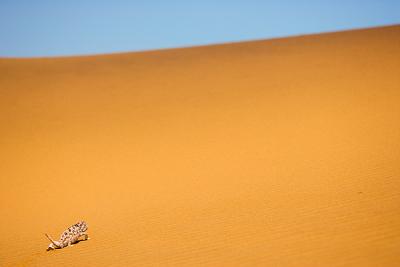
x: 85, y: 55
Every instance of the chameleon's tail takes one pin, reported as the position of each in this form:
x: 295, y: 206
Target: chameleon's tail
x: 52, y: 241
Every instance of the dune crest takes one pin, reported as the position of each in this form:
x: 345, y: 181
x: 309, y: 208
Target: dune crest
x: 281, y: 152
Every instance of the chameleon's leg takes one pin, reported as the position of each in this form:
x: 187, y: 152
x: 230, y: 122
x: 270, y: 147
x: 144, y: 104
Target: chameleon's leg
x: 85, y: 235
x: 75, y: 239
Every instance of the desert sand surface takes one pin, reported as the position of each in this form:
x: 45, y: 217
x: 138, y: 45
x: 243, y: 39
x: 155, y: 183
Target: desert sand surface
x: 282, y: 152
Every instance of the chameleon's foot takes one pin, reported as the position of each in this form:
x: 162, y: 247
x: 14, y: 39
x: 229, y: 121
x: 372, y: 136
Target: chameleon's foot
x: 85, y: 236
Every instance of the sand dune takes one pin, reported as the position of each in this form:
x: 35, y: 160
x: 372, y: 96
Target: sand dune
x: 281, y: 152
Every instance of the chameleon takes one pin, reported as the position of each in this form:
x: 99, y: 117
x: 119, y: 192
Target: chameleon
x: 70, y: 236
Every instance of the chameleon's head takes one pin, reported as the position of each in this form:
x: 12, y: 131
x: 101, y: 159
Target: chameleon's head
x: 82, y: 226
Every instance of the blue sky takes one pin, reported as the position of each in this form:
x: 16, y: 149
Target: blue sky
x: 35, y: 28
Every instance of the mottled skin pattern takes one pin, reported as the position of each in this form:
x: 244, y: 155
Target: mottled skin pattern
x: 70, y: 236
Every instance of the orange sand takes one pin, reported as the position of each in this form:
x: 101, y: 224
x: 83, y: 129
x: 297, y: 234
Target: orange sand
x: 282, y: 152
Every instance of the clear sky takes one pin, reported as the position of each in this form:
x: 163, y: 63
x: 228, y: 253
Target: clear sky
x: 72, y: 27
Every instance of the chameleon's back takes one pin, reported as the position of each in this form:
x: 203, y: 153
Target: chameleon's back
x: 82, y: 226
x: 73, y: 232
